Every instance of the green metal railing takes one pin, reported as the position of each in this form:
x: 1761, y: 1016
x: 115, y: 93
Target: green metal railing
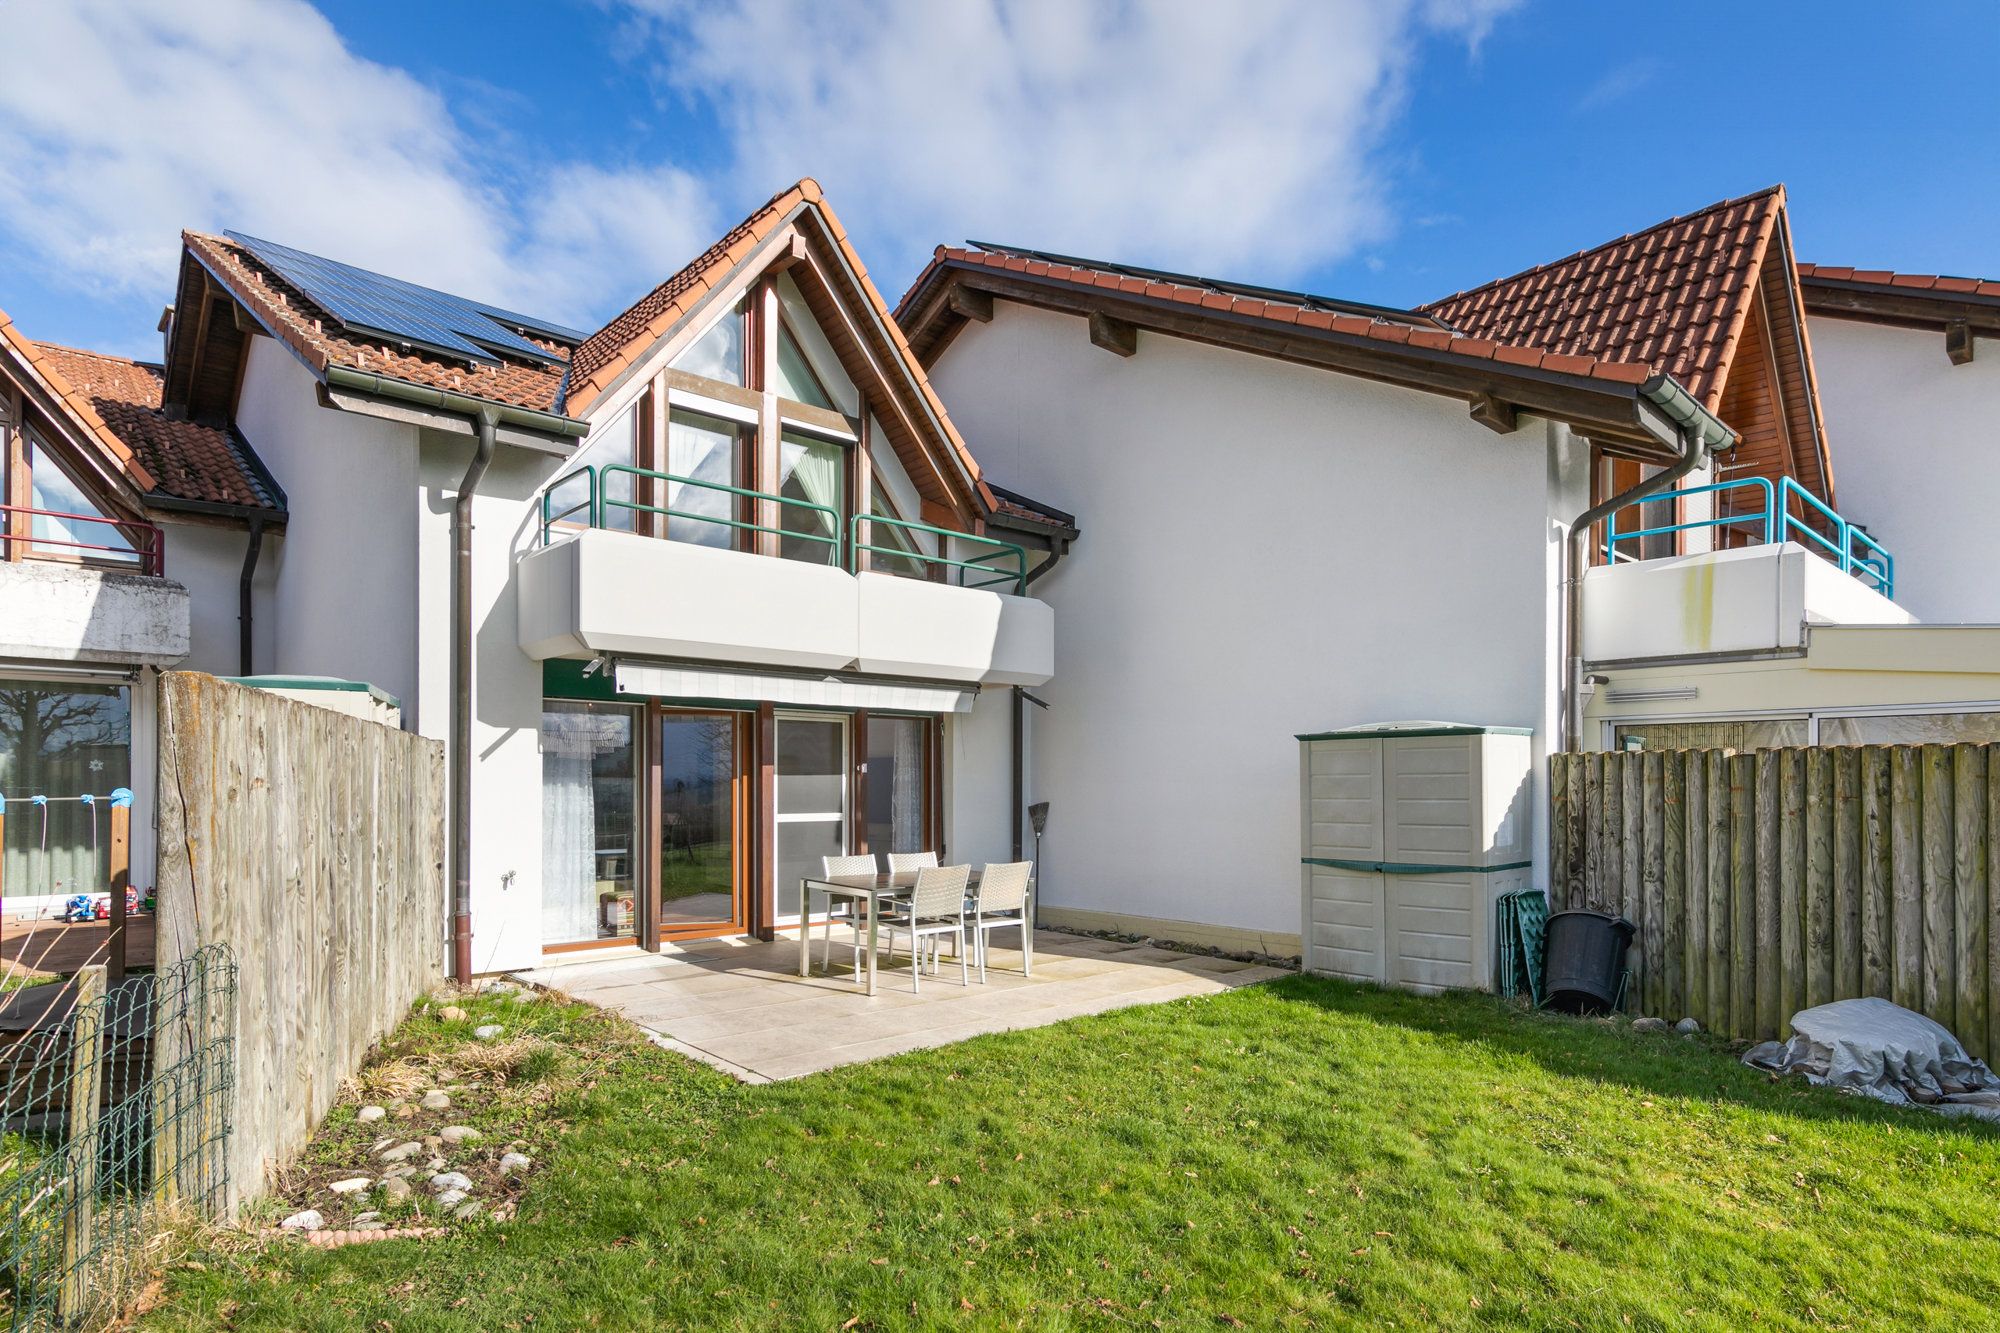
x: 998, y: 574
x: 1003, y: 564
x: 115, y: 1116
x: 599, y: 499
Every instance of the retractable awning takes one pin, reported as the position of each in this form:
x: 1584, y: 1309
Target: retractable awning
x: 798, y: 691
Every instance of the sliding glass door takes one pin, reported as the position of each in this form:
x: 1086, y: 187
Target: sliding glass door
x: 703, y: 793
x: 812, y: 791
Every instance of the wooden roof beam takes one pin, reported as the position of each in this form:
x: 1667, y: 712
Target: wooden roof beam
x: 1495, y: 413
x: 1958, y: 342
x: 970, y: 302
x: 1113, y: 335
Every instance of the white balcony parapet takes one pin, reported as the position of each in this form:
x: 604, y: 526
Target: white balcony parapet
x: 60, y: 612
x: 1757, y: 599
x: 599, y: 591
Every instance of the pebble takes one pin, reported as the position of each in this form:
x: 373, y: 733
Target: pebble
x: 368, y: 1115
x: 514, y: 1161
x: 498, y: 987
x: 309, y: 1220
x: 399, y: 1172
x: 436, y: 1164
x: 467, y: 1210
x: 451, y: 1013
x: 372, y: 1224
x: 402, y: 1152
x: 488, y: 1031
x: 359, y: 1218
x: 395, y: 1189
x: 459, y: 1134
x: 1687, y: 1026
x: 436, y: 1100
x: 433, y: 1142
x: 451, y: 1198
x: 352, y: 1185
x: 526, y: 997
x: 405, y: 1111
x: 451, y: 1180
x: 1649, y: 1025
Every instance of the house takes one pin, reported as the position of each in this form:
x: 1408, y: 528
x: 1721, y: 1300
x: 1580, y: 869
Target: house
x: 128, y: 533
x: 693, y: 599
x: 1308, y: 514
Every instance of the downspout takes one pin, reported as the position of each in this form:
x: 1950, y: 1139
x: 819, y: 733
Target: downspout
x: 487, y: 420
x: 1021, y: 696
x: 1696, y: 434
x: 244, y: 608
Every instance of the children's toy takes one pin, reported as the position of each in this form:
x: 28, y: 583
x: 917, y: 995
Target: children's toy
x: 79, y: 908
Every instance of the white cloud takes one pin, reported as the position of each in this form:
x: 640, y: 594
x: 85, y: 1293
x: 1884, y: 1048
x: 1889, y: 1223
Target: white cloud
x: 1618, y: 83
x: 1237, y: 137
x: 122, y: 123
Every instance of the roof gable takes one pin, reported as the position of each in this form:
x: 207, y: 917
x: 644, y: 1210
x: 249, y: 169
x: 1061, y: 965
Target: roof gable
x: 1674, y: 296
x: 797, y: 228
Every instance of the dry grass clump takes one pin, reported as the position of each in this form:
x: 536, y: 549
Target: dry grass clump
x: 527, y: 1057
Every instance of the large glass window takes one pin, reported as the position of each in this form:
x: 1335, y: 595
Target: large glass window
x: 61, y: 741
x: 698, y: 817
x: 899, y: 758
x: 1909, y: 729
x: 812, y: 800
x: 796, y: 379
x: 51, y: 488
x: 718, y: 353
x: 705, y: 452
x: 895, y: 547
x: 1761, y: 733
x: 815, y: 471
x: 590, y: 827
x: 613, y: 443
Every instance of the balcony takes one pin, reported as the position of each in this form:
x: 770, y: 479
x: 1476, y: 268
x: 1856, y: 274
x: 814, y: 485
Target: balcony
x: 591, y: 588
x: 1791, y: 564
x: 64, y: 598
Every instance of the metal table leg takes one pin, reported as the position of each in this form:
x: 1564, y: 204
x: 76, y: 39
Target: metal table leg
x: 805, y: 928
x: 873, y: 914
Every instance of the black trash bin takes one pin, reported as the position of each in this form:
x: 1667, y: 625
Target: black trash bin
x: 1585, y: 961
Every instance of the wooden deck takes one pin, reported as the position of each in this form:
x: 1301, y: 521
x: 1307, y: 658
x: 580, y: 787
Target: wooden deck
x: 57, y: 949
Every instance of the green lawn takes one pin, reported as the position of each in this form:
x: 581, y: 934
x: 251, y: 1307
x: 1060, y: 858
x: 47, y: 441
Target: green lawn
x: 1301, y: 1154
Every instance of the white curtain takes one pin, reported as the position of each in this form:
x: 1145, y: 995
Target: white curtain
x: 907, y: 811
x: 569, y: 825
x: 815, y: 471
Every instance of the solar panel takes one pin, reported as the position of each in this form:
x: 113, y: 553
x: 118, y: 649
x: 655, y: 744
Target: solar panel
x: 402, y: 312
x: 1306, y: 299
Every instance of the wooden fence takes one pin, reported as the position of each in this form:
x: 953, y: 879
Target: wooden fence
x: 1767, y: 882
x: 312, y: 843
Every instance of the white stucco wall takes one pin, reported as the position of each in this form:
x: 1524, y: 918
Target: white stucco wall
x: 506, y: 870
x: 1267, y: 549
x: 344, y: 604
x: 207, y: 558
x: 1916, y: 458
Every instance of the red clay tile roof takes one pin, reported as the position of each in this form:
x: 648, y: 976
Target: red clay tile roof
x: 1187, y: 291
x: 612, y: 348
x: 178, y: 459
x: 1017, y: 505
x: 1673, y: 296
x: 78, y: 403
x: 1916, y: 284
x: 290, y: 316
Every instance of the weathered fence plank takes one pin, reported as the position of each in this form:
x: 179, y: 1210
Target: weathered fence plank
x: 1969, y: 853
x: 1769, y: 882
x: 313, y: 844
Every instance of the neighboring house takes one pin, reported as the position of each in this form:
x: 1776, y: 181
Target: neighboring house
x: 736, y: 596
x: 1306, y: 514
x: 127, y: 533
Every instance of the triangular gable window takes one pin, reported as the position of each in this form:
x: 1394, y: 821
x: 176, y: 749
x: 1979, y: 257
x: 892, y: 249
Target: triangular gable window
x: 717, y: 354
x: 796, y: 379
x: 69, y: 524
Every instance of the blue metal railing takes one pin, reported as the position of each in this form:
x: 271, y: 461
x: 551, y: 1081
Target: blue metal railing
x: 1849, y: 548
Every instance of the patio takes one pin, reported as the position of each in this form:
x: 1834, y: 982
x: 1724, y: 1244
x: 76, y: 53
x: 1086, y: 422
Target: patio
x: 739, y: 1004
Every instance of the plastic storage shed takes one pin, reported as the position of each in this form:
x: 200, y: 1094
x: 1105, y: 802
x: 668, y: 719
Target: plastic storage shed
x: 1409, y: 833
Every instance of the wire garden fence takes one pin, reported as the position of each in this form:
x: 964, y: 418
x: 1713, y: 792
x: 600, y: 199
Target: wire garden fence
x: 114, y: 1120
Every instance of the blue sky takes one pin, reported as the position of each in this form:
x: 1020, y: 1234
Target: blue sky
x: 563, y: 157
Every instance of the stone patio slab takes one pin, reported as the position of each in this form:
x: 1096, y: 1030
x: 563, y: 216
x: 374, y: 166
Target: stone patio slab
x: 740, y: 1006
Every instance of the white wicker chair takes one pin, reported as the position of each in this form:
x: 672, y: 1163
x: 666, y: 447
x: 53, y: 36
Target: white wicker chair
x: 846, y: 909
x: 903, y: 861
x: 936, y: 909
x: 1000, y: 901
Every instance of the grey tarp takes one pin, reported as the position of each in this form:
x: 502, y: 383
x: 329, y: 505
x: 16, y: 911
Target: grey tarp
x: 1884, y: 1051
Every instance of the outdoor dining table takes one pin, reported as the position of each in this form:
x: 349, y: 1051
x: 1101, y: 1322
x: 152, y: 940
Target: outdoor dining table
x: 874, y: 890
